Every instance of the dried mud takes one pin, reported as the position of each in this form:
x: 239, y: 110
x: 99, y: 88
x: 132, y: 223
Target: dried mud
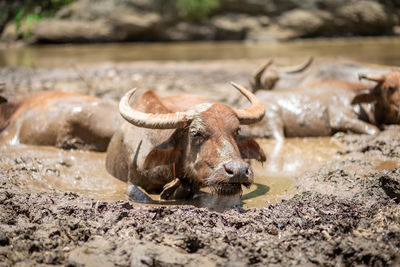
x: 345, y: 213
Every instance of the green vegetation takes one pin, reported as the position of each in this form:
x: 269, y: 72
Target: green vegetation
x: 196, y: 9
x: 25, y: 12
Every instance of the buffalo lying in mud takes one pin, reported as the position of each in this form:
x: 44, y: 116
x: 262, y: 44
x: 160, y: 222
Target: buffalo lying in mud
x: 385, y: 98
x: 176, y: 145
x: 266, y: 77
x: 61, y: 119
x: 269, y: 77
x: 328, y: 107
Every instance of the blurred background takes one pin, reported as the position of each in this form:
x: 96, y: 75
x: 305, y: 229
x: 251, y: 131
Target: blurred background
x: 227, y: 39
x: 83, y: 21
x: 194, y: 29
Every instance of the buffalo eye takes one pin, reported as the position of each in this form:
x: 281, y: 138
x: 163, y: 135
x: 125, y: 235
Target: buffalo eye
x: 197, y: 137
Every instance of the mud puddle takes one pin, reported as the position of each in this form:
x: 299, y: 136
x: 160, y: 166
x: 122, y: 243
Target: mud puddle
x: 386, y: 165
x: 287, y: 160
x: 81, y: 172
x: 84, y: 172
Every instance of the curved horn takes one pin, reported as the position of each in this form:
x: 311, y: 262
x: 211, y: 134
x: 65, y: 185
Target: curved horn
x: 255, y: 82
x: 298, y: 68
x: 252, y: 114
x: 261, y: 70
x: 371, y: 77
x: 149, y: 120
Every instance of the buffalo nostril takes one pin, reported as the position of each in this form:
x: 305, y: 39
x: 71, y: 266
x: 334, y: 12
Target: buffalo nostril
x: 228, y: 170
x: 237, y: 169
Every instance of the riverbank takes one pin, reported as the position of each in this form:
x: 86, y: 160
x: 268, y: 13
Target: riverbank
x: 93, y: 21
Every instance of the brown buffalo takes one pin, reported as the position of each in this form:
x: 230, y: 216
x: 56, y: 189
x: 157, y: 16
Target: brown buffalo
x: 270, y: 77
x: 328, y: 107
x: 60, y: 119
x: 176, y: 149
x: 385, y: 97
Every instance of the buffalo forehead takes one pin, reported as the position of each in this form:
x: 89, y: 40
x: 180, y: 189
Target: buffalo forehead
x: 219, y: 118
x: 194, y: 115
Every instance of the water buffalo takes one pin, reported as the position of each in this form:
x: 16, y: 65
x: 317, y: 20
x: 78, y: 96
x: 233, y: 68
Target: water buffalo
x: 266, y: 77
x: 329, y: 107
x: 177, y: 149
x: 384, y: 96
x: 270, y: 77
x: 61, y: 119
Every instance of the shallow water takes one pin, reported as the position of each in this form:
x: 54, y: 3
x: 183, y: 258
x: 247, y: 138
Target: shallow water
x: 374, y: 50
x: 386, y: 165
x: 84, y: 172
x: 275, y: 180
x: 76, y: 171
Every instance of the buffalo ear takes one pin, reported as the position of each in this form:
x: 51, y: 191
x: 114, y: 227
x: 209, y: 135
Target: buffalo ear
x: 250, y: 149
x: 366, y: 96
x: 161, y: 156
x: 166, y: 153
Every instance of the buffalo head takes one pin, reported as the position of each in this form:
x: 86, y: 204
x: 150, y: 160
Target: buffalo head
x: 268, y: 74
x: 205, y: 148
x: 385, y: 96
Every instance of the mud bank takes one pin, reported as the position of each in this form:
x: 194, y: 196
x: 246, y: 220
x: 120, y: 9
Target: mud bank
x: 89, y: 21
x: 345, y: 213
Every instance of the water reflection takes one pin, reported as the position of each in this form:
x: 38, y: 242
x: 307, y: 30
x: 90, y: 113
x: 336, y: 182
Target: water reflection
x: 286, y: 161
x: 374, y: 50
x: 261, y: 189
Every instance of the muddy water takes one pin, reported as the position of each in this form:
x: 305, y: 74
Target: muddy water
x: 287, y: 160
x: 76, y: 171
x: 84, y: 172
x: 386, y: 164
x: 373, y: 50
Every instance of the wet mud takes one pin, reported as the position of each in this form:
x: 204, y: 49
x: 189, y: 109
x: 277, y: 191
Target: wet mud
x: 345, y: 212
x: 330, y: 202
x: 84, y: 173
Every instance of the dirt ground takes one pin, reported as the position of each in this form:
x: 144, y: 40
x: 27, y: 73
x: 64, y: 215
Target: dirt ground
x: 346, y: 213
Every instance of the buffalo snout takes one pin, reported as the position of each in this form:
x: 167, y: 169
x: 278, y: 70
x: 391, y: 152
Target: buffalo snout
x: 238, y: 172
